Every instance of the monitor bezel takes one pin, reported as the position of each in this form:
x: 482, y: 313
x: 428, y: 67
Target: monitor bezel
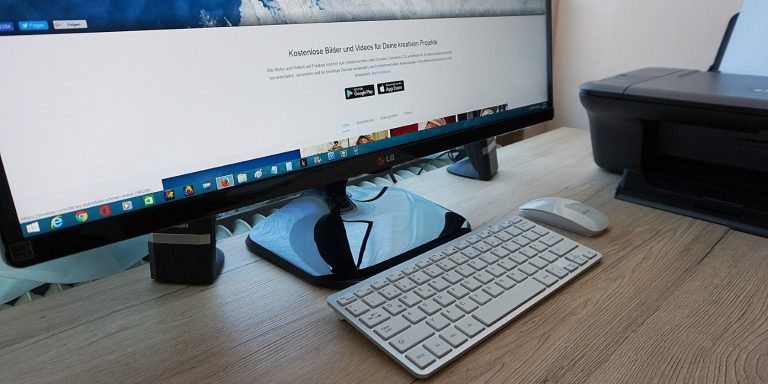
x: 86, y: 236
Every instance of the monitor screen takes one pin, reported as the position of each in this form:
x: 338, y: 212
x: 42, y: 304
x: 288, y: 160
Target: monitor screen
x: 116, y: 112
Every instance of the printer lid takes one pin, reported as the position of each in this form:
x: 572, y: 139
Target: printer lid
x: 714, y: 89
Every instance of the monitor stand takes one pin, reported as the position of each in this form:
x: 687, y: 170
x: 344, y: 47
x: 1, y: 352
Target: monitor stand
x: 336, y: 236
x: 481, y: 162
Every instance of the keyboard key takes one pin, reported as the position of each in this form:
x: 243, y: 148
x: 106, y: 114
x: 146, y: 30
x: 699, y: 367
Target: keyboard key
x: 446, y: 265
x: 589, y: 254
x: 462, y: 245
x: 392, y: 327
x: 497, y: 240
x: 425, y: 292
x: 439, y: 285
x: 551, y: 239
x: 496, y: 270
x: 528, y: 269
x: 467, y: 305
x: 496, y: 229
x: 508, y: 302
x: 540, y: 231
x: 503, y: 236
x: 517, y: 276
x: 437, y: 346
x: 545, y: 278
x: 489, y: 258
x: 469, y: 326
x: 471, y: 285
x: 374, y: 300
x: 539, y: 263
x: 364, y: 291
x: 500, y: 252
x: 453, y: 277
x: 444, y: 299
x: 357, y: 308
x: 437, y: 257
x: 411, y: 336
x: 480, y: 297
x: 470, y: 253
x: 475, y: 239
x: 539, y: 246
x: 485, y: 234
x: 450, y: 251
x: 453, y: 313
x: 465, y: 271
x: 410, y: 269
x: 421, y: 357
x: 459, y: 259
x: 563, y: 247
x: 395, y: 277
x: 433, y: 271
x: 557, y: 271
x: 570, y: 267
x: 380, y: 284
x: 424, y: 263
x: 505, y: 282
x: 410, y: 299
x: 529, y: 252
x: 493, y: 290
x: 395, y: 307
x: 484, y: 277
x: 548, y: 257
x: 511, y: 246
x: 531, y: 236
x: 507, y: 264
x: 430, y: 307
x: 374, y: 318
x: 420, y: 278
x: 414, y: 315
x: 514, y: 232
x: 483, y: 247
x: 346, y: 299
x: 477, y: 264
x: 405, y: 285
x: 458, y: 291
x: 578, y: 259
x: 524, y: 225
x: 521, y: 241
x: 454, y: 337
x: 518, y: 258
x: 438, y: 323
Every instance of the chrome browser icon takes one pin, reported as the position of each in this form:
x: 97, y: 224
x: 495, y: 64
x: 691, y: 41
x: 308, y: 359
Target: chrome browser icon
x: 81, y: 216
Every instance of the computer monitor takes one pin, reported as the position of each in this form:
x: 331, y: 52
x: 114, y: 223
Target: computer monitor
x: 122, y: 117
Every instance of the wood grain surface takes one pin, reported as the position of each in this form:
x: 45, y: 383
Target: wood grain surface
x: 674, y: 300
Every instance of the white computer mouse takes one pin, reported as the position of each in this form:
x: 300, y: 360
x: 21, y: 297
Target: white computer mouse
x: 567, y: 214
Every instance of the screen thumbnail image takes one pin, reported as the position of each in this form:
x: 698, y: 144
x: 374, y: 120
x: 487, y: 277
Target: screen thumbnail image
x: 482, y: 112
x: 438, y: 122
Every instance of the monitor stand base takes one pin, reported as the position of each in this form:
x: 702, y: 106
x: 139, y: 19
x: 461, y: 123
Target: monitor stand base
x: 186, y: 253
x: 481, y: 163
x: 337, y: 236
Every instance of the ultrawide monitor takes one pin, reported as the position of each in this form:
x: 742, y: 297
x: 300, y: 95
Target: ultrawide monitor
x: 120, y: 117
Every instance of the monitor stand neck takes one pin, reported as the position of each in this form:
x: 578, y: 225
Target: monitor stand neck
x: 336, y: 236
x: 481, y: 162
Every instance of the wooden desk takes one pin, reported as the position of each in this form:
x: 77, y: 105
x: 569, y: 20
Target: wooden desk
x: 674, y: 300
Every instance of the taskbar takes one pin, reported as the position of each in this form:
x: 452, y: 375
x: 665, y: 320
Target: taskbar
x: 203, y: 182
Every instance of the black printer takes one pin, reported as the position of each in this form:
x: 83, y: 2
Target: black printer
x: 690, y: 142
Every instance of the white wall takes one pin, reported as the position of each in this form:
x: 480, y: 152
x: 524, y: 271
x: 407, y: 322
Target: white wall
x: 601, y: 38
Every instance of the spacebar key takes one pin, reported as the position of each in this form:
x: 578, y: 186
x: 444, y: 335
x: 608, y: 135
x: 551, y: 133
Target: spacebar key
x: 508, y: 302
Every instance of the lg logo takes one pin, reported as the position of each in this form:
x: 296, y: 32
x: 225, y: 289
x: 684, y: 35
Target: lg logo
x: 385, y: 159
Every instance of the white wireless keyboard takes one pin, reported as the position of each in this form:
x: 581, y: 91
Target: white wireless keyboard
x: 429, y: 310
